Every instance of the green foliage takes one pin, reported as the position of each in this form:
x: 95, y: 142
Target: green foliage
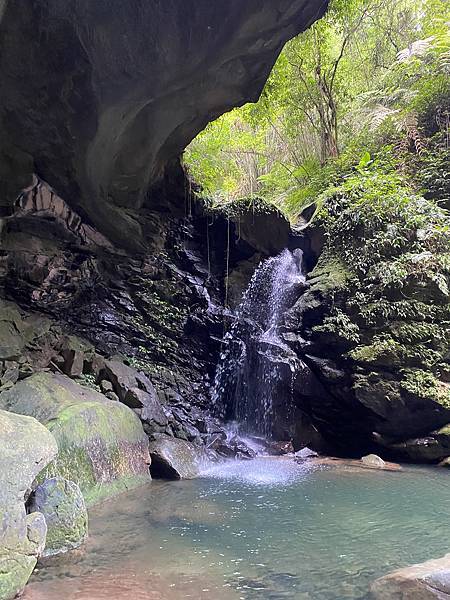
x: 340, y: 325
x: 425, y: 385
x: 368, y: 74
x: 351, y: 136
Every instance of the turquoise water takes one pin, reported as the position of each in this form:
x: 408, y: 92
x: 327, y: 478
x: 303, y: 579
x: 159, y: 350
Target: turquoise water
x: 266, y: 529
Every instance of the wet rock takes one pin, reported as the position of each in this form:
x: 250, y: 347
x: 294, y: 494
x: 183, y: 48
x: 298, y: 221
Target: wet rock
x: 280, y: 448
x: 26, y: 448
x: 432, y: 448
x: 374, y: 461
x: 305, y: 453
x: 426, y: 581
x: 62, y: 504
x: 102, y: 446
x: 173, y: 458
x: 233, y: 448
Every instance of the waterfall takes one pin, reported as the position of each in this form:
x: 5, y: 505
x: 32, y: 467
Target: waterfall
x: 248, y: 377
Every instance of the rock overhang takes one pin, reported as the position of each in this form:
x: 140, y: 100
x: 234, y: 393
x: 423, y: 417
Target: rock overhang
x: 129, y: 86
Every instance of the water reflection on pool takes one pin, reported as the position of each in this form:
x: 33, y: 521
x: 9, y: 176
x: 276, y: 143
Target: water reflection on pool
x: 267, y: 529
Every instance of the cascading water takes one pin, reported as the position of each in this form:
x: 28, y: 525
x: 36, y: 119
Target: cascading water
x: 248, y: 375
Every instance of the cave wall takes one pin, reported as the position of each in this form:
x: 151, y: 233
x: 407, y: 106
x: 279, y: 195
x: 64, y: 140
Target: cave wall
x: 98, y: 98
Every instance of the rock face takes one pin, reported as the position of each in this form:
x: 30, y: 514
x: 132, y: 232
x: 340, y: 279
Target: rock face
x: 26, y: 449
x: 380, y: 364
x: 62, y: 504
x: 427, y: 581
x: 102, y: 446
x: 173, y: 458
x: 129, y: 87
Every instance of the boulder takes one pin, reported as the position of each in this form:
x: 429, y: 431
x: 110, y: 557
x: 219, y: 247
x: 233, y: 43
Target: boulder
x: 431, y: 448
x: 12, y: 339
x: 125, y: 378
x: 102, y: 446
x: 63, y: 506
x: 26, y: 448
x: 151, y: 409
x: 426, y: 581
x: 306, y: 453
x: 75, y: 351
x: 373, y: 461
x: 173, y: 458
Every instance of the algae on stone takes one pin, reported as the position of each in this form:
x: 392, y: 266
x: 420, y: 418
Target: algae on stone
x: 102, y: 445
x: 64, y: 509
x: 26, y: 448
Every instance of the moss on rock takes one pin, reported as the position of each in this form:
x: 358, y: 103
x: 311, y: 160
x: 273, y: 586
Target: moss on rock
x: 26, y: 448
x: 102, y: 446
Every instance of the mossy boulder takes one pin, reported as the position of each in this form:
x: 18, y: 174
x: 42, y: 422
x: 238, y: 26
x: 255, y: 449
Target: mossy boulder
x: 26, y: 447
x: 63, y: 506
x: 102, y: 446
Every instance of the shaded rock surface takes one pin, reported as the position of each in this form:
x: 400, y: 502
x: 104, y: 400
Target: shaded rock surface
x: 378, y: 368
x: 26, y: 449
x: 126, y: 102
x: 64, y: 509
x: 426, y: 581
x: 173, y: 458
x: 102, y: 446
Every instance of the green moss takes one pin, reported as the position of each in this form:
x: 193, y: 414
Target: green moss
x: 425, y: 385
x: 243, y: 206
x: 383, y: 350
x: 340, y: 325
x: 330, y: 274
x: 101, y: 444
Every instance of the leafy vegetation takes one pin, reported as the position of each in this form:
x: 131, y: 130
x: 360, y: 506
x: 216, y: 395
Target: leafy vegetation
x: 371, y: 74
x: 351, y: 137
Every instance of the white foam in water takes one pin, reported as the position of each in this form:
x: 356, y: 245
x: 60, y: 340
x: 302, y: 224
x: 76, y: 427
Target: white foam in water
x: 265, y: 471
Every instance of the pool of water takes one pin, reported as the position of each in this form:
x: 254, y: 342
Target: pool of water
x: 266, y: 529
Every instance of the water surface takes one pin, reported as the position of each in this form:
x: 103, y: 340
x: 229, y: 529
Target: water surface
x: 267, y: 529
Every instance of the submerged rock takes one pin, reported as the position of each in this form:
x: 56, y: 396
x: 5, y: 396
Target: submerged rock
x: 426, y: 581
x: 26, y: 447
x: 64, y: 509
x: 102, y: 446
x: 173, y: 458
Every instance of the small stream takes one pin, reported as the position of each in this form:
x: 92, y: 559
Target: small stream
x: 265, y: 529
